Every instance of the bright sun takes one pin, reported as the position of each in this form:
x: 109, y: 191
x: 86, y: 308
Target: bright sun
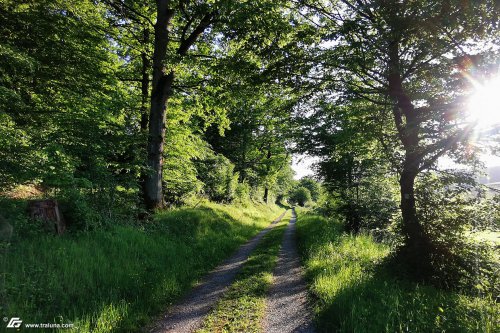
x: 484, y: 105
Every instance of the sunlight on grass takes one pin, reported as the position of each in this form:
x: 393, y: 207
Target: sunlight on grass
x: 242, y: 308
x: 118, y: 279
x: 354, y: 291
x: 105, y: 321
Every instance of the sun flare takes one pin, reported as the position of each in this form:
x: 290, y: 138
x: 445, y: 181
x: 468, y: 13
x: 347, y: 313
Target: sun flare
x: 484, y: 104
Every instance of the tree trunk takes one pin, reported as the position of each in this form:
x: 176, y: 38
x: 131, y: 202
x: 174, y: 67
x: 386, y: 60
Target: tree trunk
x: 161, y: 90
x: 145, y: 102
x: 268, y: 168
x: 353, y: 218
x: 145, y: 82
x: 418, y: 245
x: 411, y: 227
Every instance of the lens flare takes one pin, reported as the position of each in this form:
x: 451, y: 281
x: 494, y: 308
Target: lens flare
x: 484, y: 104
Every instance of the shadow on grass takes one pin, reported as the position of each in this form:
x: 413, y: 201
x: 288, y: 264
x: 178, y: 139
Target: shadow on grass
x: 116, y: 280
x: 283, y: 206
x: 356, y: 289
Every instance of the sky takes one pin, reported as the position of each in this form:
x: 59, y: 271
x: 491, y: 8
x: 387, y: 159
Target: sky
x: 491, y: 160
x: 488, y: 160
x: 302, y: 164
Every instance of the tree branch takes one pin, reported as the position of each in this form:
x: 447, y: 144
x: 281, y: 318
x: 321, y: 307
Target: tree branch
x: 122, y: 5
x: 186, y: 43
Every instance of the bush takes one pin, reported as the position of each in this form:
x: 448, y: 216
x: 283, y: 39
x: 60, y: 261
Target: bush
x: 300, y: 196
x: 220, y: 181
x: 451, y: 211
x: 242, y: 192
x: 180, y: 180
x: 312, y: 185
x: 86, y: 208
x: 78, y: 212
x: 14, y: 217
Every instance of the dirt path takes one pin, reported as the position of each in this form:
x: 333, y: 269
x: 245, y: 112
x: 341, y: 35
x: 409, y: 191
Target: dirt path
x: 189, y: 313
x: 287, y: 307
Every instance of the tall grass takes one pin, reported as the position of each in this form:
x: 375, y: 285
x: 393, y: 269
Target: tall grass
x: 355, y: 291
x: 116, y: 280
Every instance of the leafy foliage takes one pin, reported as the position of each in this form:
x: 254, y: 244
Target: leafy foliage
x: 300, y: 196
x: 115, y: 107
x: 218, y: 178
x: 452, y: 213
x: 390, y: 84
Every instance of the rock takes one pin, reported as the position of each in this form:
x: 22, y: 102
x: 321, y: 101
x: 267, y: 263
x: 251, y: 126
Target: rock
x: 48, y: 212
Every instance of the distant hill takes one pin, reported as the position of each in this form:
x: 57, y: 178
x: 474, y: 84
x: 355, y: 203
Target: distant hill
x: 493, y: 175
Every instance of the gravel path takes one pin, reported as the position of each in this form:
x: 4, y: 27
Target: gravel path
x: 189, y: 313
x: 287, y: 306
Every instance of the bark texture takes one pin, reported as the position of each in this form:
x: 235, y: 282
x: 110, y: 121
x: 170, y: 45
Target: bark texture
x: 161, y: 90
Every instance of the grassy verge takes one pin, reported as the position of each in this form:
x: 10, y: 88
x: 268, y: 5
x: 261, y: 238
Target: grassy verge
x: 242, y: 308
x: 117, y: 279
x: 355, y: 292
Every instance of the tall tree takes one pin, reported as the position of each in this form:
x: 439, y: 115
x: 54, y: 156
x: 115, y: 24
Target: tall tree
x: 402, y: 57
x: 257, y: 141
x: 181, y: 26
x: 352, y: 164
x: 60, y: 104
x: 162, y: 82
x: 130, y: 26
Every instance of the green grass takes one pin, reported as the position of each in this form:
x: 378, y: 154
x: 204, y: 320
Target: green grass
x: 117, y: 280
x: 354, y: 291
x: 242, y: 308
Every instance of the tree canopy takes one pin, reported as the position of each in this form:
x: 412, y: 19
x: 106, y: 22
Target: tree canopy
x: 130, y: 107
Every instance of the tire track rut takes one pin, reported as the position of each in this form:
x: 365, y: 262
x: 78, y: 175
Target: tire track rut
x: 287, y: 308
x: 187, y: 315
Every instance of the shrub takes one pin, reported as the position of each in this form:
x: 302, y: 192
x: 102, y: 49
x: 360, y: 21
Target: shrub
x: 220, y: 181
x: 451, y: 211
x: 78, y: 212
x: 15, y: 219
x: 242, y: 192
x: 180, y: 180
x: 300, y: 196
x: 312, y: 185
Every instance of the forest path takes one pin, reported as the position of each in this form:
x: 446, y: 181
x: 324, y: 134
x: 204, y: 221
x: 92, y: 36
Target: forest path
x: 187, y: 315
x: 287, y: 305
